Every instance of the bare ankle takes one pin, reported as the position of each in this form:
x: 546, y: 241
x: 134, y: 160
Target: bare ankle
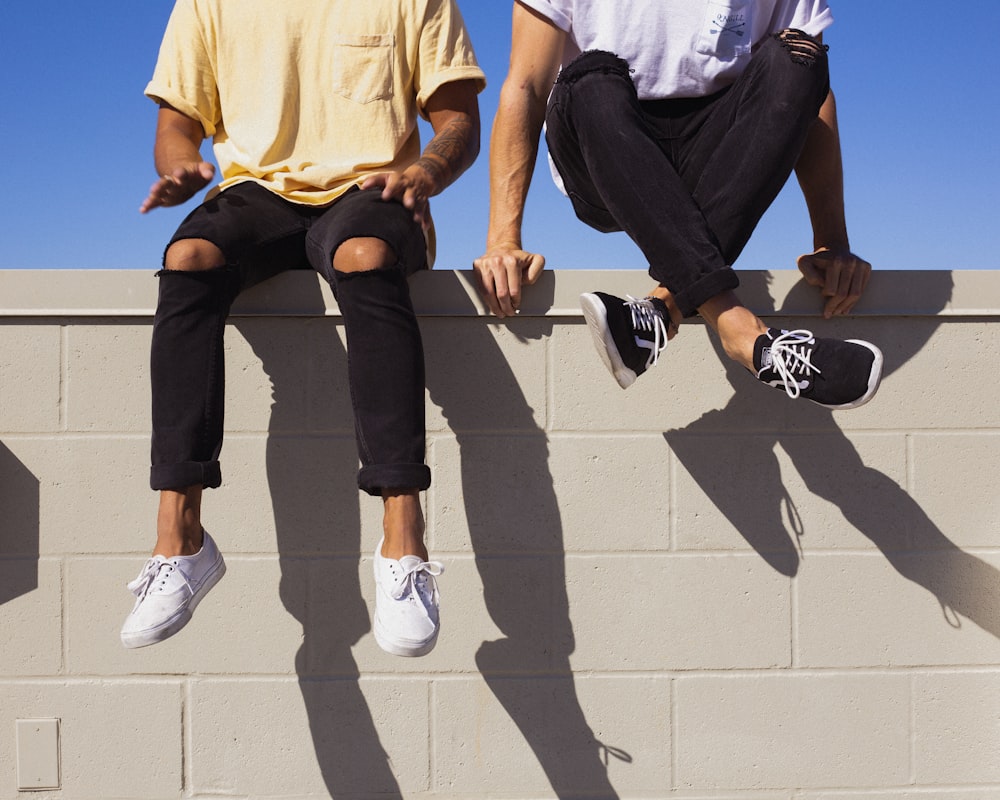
x: 403, y: 525
x: 178, y: 523
x: 738, y: 327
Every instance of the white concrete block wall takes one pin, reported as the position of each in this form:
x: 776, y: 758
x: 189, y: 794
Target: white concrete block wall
x: 696, y: 589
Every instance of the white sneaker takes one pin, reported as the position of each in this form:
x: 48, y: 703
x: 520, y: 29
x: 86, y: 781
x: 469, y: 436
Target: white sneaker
x: 406, y: 604
x: 168, y: 591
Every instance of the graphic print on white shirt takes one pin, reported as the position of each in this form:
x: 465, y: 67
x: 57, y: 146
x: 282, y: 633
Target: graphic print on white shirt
x: 727, y: 30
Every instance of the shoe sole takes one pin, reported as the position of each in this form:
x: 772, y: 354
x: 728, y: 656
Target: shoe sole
x: 395, y: 647
x: 596, y: 314
x: 874, y: 378
x: 176, y: 623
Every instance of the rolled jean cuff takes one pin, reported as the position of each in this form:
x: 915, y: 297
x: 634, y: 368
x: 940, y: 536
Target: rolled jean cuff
x: 207, y: 474
x: 705, y: 288
x: 376, y: 477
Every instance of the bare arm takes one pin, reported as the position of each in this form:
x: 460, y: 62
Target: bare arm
x: 832, y: 266
x: 453, y: 111
x: 536, y: 51
x: 178, y: 160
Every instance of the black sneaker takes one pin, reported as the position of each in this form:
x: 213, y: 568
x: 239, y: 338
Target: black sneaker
x: 834, y: 373
x: 629, y: 334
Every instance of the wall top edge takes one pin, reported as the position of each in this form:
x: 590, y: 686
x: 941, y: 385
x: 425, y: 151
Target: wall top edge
x: 132, y: 293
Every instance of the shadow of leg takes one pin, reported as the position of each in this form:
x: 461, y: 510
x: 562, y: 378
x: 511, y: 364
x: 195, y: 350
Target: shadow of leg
x: 19, y: 498
x: 516, y: 532
x: 312, y: 477
x: 915, y: 547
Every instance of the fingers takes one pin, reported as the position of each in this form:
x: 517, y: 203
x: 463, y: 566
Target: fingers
x: 536, y: 263
x: 501, y: 275
x: 809, y: 270
x: 842, y: 275
x: 413, y: 193
x: 174, y: 188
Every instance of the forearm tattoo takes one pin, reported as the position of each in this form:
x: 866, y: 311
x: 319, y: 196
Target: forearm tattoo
x: 449, y: 153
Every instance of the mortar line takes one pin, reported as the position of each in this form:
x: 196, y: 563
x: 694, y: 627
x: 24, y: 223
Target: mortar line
x: 63, y: 377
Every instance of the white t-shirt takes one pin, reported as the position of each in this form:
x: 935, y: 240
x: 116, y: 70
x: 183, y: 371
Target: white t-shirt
x: 679, y: 48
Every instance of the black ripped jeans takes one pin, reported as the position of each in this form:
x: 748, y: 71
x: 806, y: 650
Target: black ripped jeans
x: 687, y: 179
x: 261, y: 234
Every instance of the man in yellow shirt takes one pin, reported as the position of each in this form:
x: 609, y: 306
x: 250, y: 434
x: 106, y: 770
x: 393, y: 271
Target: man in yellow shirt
x: 312, y: 108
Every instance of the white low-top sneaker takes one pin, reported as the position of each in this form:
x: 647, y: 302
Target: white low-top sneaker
x: 167, y: 592
x: 406, y: 604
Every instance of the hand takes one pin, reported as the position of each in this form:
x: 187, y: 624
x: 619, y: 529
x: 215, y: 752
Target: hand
x: 178, y: 186
x: 500, y: 274
x: 840, y: 274
x: 413, y: 188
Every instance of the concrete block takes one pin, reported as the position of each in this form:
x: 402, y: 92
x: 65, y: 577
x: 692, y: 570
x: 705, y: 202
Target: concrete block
x: 902, y: 610
x: 784, y: 730
x: 92, y: 492
x: 621, y: 492
x: 494, y: 494
x: 535, y: 737
x: 654, y: 613
x: 956, y: 728
x: 31, y: 620
x: 953, y: 350
x: 336, y: 738
x: 956, y: 471
x: 241, y: 627
x: 787, y: 493
x: 514, y: 488
x: 116, y: 740
x: 30, y: 377
x: 287, y: 376
x: 107, y: 378
x: 294, y: 493
x: 486, y: 377
x: 586, y: 397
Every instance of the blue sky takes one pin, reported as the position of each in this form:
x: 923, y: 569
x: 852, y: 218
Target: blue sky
x: 915, y: 82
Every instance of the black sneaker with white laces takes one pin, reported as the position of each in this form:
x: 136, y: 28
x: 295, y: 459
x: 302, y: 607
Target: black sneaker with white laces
x: 629, y: 334
x: 833, y: 373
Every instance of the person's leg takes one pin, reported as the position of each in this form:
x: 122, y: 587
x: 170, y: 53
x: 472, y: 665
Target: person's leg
x: 386, y: 375
x: 186, y: 373
x: 741, y: 148
x: 232, y: 241
x: 367, y: 248
x: 736, y: 153
x: 620, y: 177
x: 239, y: 238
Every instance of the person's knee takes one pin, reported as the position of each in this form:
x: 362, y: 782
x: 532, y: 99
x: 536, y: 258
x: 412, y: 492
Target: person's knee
x: 800, y: 47
x: 595, y: 62
x: 364, y: 254
x: 193, y: 255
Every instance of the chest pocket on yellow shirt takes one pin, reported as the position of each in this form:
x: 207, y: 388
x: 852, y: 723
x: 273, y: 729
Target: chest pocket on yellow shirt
x: 363, y: 67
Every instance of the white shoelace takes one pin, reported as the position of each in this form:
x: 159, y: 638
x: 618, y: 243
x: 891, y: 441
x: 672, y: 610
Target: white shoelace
x: 790, y: 353
x: 415, y: 577
x: 645, y: 317
x: 143, y: 584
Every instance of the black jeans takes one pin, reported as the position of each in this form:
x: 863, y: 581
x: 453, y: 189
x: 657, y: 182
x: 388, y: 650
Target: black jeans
x: 261, y: 234
x: 687, y: 179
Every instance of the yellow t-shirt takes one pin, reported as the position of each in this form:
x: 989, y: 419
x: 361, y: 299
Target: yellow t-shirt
x: 309, y: 97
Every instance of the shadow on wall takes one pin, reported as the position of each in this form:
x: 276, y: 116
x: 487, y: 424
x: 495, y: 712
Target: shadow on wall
x: 312, y: 479
x: 19, y: 497
x: 516, y: 531
x: 518, y: 547
x: 739, y: 465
